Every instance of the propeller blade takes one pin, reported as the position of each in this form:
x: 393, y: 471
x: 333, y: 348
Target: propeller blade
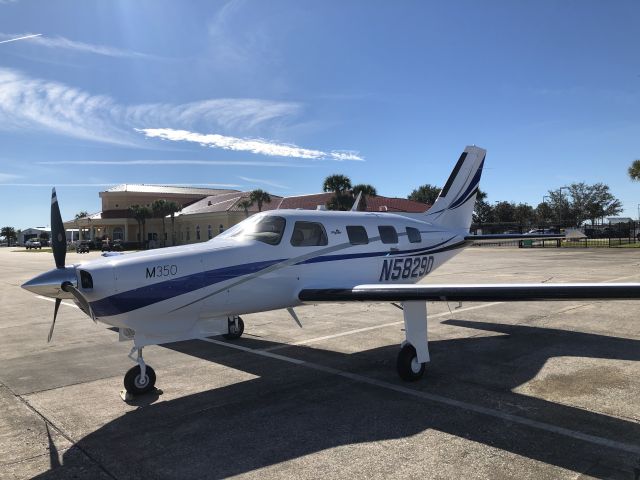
x: 58, y: 235
x: 84, y: 304
x: 55, y: 314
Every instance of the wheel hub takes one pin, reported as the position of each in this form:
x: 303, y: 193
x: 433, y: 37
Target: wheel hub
x: 415, y: 365
x: 141, y: 382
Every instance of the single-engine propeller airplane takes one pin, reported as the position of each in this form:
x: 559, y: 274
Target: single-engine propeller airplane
x: 284, y: 258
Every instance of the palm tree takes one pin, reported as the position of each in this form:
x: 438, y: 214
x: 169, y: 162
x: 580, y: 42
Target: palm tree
x: 172, y: 209
x: 79, y: 215
x: 259, y: 196
x: 245, y: 204
x: 340, y: 185
x: 159, y: 209
x: 367, y: 191
x: 634, y: 170
x: 9, y: 233
x: 140, y: 213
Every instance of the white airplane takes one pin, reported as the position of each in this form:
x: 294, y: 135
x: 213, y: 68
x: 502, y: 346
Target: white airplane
x: 284, y: 258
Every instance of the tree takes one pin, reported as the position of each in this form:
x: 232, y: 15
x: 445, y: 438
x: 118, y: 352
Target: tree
x: 245, y: 204
x: 482, y: 210
x: 140, y: 213
x: 524, y: 214
x: 634, y: 170
x: 504, y: 212
x: 9, y: 233
x: 583, y: 202
x: 79, y: 215
x: 259, y: 196
x: 160, y: 208
x: 426, y: 194
x: 543, y: 213
x: 367, y: 191
x: 340, y: 185
x: 172, y: 209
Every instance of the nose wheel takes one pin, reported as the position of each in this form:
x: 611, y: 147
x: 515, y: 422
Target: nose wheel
x: 141, y: 378
x: 236, y: 328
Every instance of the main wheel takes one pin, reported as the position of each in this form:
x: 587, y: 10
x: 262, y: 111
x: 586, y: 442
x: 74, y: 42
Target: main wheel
x: 135, y: 384
x: 235, y: 330
x: 408, y: 366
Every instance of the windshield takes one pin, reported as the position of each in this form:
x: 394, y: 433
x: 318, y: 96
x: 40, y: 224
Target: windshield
x: 266, y: 228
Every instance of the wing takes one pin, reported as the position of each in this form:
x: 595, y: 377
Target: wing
x: 474, y: 292
x: 513, y: 236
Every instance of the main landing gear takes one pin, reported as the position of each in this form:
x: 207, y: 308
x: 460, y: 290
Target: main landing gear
x: 141, y: 378
x: 236, y: 328
x: 414, y: 351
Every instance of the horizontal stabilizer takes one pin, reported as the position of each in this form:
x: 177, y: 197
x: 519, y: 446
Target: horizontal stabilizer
x: 475, y: 292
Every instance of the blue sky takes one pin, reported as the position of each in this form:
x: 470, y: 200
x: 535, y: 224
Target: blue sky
x: 278, y: 95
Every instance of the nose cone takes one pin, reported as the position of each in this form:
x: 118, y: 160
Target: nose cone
x: 49, y: 284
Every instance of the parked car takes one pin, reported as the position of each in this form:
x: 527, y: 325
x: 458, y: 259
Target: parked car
x: 82, y: 247
x: 33, y: 243
x: 115, y: 246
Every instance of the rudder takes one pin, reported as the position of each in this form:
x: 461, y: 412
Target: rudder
x: 454, y: 206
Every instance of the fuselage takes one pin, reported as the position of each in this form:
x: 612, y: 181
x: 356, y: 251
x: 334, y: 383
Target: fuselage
x: 261, y: 264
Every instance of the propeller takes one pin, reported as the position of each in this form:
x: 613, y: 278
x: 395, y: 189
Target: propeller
x: 59, y: 247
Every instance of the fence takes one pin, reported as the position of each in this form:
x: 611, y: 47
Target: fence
x: 626, y: 234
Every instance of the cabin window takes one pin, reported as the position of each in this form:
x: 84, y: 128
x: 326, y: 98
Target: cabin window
x: 414, y: 235
x: 268, y: 229
x: 357, y: 235
x: 308, y: 234
x: 388, y: 234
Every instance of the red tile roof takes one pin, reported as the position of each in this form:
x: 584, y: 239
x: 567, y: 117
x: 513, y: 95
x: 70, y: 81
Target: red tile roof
x: 376, y: 203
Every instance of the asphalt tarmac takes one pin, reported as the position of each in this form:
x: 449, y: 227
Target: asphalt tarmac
x: 514, y: 390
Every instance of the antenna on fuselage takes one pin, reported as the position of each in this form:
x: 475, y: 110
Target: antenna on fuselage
x: 357, y: 202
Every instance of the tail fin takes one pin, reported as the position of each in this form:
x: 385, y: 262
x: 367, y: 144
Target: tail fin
x: 454, y: 206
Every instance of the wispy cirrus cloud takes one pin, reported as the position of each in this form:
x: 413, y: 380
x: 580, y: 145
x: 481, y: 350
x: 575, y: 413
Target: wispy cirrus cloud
x: 4, y: 177
x: 260, y: 181
x: 33, y: 104
x: 15, y: 39
x: 58, y: 42
x: 257, y: 146
x: 245, y: 163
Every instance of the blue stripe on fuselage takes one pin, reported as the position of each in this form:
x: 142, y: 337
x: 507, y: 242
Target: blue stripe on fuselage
x: 144, y: 296
x: 157, y: 292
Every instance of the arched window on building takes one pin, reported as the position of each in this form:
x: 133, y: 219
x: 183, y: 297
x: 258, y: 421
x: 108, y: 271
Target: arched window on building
x: 188, y: 234
x: 209, y: 232
x: 118, y: 233
x: 221, y: 228
x: 198, y: 232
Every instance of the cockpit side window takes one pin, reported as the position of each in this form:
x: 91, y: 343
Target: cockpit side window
x: 267, y: 229
x: 308, y: 234
x: 357, y: 235
x: 388, y: 234
x: 414, y: 235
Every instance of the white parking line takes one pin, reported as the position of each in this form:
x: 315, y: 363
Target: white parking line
x: 53, y: 300
x: 547, y: 427
x: 374, y: 327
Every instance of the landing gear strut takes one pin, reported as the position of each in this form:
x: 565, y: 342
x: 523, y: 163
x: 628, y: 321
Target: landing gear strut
x: 141, y: 378
x: 414, y: 352
x: 236, y: 328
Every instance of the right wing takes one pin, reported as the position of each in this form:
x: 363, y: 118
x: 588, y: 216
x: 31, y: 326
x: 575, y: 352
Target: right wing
x: 474, y: 292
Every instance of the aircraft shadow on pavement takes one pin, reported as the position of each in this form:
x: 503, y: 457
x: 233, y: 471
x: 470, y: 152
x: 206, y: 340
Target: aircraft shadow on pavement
x: 288, y: 412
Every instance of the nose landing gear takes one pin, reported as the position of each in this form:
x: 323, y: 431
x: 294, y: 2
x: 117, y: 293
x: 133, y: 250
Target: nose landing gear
x: 141, y: 378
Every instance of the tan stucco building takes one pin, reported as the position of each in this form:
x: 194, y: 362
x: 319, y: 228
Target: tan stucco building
x: 205, y: 213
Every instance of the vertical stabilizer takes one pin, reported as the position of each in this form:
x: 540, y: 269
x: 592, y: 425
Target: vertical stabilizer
x: 454, y: 206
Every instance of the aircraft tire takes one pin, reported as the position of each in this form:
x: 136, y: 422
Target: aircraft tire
x: 132, y: 382
x: 407, y: 364
x: 238, y: 334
